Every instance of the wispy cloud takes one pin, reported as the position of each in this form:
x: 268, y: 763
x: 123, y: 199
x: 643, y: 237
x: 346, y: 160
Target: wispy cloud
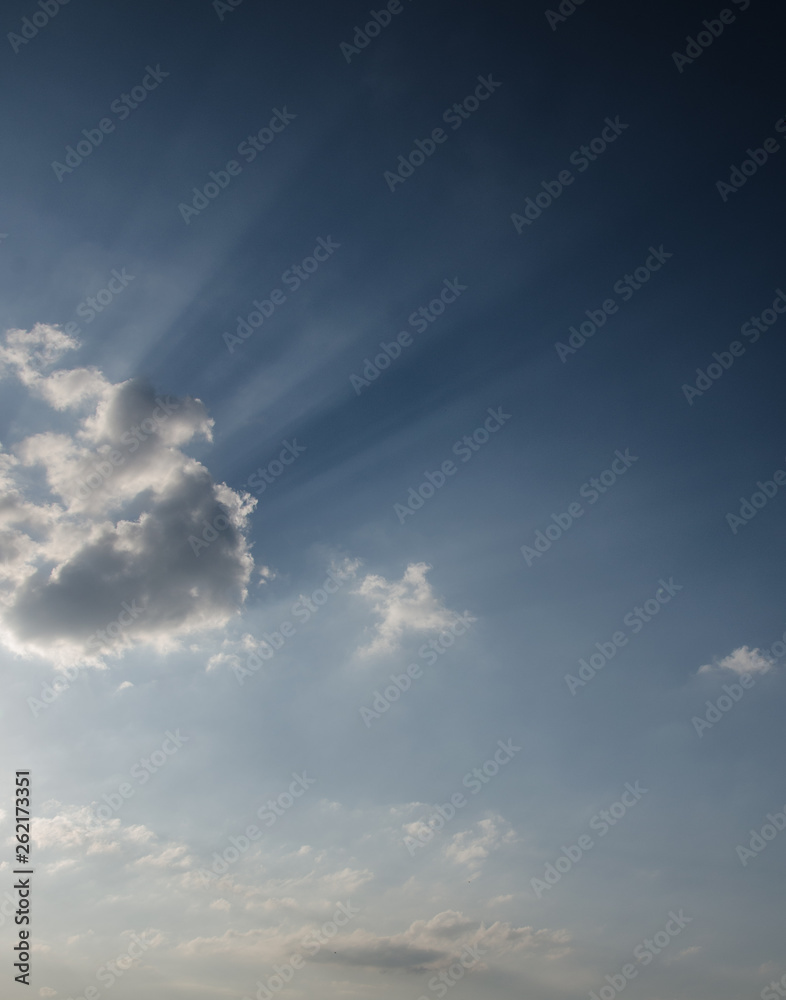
x: 741, y: 661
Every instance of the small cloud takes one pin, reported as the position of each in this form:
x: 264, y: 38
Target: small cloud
x: 47, y: 991
x: 266, y: 574
x: 124, y: 686
x: 471, y: 848
x: 434, y: 944
x: 741, y: 661
x: 685, y: 953
x: 76, y: 939
x: 236, y: 652
x: 499, y: 900
x: 404, y: 606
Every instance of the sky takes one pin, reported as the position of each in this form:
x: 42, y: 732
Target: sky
x: 392, y: 501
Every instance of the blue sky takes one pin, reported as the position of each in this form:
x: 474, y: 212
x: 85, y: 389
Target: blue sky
x: 391, y: 537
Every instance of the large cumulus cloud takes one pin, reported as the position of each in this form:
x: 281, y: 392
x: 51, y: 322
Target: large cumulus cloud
x: 110, y: 534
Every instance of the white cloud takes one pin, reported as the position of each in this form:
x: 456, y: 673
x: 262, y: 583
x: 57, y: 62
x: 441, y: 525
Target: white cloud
x: 406, y: 606
x: 471, y: 848
x: 173, y: 855
x: 432, y: 944
x: 741, y: 661
x: 110, y: 535
x: 235, y: 652
x: 27, y: 351
x: 78, y: 828
x: 77, y: 831
x: 423, y: 946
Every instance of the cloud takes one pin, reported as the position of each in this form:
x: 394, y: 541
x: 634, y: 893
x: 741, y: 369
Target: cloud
x: 423, y: 946
x: 311, y: 892
x: 432, y: 944
x: 258, y: 944
x: 404, y: 607
x: 235, y: 652
x: 25, y: 352
x: 471, y: 849
x: 77, y: 830
x: 110, y: 535
x: 685, y: 953
x: 741, y: 661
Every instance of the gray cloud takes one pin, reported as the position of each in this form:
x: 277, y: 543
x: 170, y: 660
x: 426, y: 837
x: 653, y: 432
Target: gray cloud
x: 127, y: 539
